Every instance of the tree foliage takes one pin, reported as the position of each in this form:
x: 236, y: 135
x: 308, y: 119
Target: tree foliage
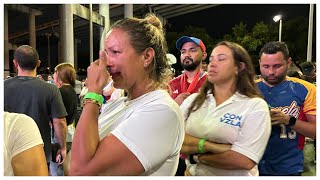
x: 294, y: 33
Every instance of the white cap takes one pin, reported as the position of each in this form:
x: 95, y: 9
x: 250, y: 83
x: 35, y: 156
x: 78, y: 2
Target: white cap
x: 172, y: 59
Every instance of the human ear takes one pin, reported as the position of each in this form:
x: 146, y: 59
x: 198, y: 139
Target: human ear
x: 15, y: 63
x: 204, y: 55
x: 241, y: 67
x: 148, y: 56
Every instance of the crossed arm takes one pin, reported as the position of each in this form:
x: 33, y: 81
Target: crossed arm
x: 216, y: 155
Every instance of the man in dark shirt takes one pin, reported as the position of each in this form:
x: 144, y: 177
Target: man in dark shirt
x: 42, y: 101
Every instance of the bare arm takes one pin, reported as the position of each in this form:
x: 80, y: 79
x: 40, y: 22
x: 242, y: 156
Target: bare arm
x: 108, y: 157
x: 60, y: 130
x: 227, y: 160
x: 31, y: 162
x: 216, y: 155
x: 190, y: 146
x: 306, y: 128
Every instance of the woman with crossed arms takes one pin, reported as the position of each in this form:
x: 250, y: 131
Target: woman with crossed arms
x: 227, y: 123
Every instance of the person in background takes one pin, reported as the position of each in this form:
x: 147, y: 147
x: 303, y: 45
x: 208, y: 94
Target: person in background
x: 140, y: 134
x: 50, y: 79
x: 309, y: 72
x: 64, y: 78
x: 38, y: 99
x: 23, y: 147
x: 40, y: 77
x: 227, y: 123
x: 288, y: 98
x: 193, y: 52
x: 295, y: 74
x: 204, y: 66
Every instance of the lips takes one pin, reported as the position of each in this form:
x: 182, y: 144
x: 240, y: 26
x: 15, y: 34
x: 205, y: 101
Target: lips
x: 272, y: 78
x: 187, y: 61
x: 114, y: 75
x: 212, y: 72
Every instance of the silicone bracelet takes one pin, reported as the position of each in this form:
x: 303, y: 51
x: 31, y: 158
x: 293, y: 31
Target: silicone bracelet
x: 200, y: 145
x: 94, y: 96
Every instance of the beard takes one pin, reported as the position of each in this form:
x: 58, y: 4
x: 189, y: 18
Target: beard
x: 274, y: 80
x: 190, y: 66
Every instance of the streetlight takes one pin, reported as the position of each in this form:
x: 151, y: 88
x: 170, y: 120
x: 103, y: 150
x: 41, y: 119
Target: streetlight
x: 276, y: 19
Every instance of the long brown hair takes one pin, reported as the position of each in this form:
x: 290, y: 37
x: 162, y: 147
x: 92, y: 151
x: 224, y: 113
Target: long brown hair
x: 66, y: 73
x: 245, y: 79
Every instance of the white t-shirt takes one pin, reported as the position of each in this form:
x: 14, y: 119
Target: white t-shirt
x: 241, y: 121
x: 151, y: 126
x: 20, y: 133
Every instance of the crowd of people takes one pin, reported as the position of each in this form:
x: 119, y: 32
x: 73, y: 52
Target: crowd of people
x: 215, y: 119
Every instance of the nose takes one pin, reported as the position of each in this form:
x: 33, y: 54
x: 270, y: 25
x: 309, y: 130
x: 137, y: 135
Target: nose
x: 212, y: 63
x: 271, y: 71
x: 110, y: 62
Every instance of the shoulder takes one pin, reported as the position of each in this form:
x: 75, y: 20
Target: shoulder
x: 17, y: 119
x: 301, y: 82
x: 161, y: 98
x: 255, y: 103
x: 258, y: 102
x: 160, y: 105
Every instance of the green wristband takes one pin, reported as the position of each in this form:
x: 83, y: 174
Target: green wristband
x: 94, y: 96
x: 200, y: 145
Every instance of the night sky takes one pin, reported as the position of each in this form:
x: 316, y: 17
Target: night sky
x: 219, y: 20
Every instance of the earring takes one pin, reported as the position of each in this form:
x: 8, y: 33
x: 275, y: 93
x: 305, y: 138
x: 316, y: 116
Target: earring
x: 145, y: 64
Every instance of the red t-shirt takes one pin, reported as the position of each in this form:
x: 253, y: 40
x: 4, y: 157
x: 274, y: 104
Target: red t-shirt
x: 176, y: 85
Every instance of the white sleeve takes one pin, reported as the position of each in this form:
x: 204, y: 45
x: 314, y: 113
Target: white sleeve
x: 152, y: 133
x: 24, y: 134
x: 255, y: 131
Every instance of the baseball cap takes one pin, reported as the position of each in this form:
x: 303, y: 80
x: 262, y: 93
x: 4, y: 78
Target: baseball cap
x: 307, y: 67
x: 185, y: 39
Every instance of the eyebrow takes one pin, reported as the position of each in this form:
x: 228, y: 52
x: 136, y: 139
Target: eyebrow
x: 194, y: 47
x: 219, y: 55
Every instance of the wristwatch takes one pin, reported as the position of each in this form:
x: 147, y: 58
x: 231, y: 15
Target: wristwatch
x: 292, y: 121
x: 191, y: 160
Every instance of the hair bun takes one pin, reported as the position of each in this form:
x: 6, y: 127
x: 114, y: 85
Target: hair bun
x: 154, y: 20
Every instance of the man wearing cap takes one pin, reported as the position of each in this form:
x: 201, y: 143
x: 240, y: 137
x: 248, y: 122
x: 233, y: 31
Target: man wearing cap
x: 193, y: 52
